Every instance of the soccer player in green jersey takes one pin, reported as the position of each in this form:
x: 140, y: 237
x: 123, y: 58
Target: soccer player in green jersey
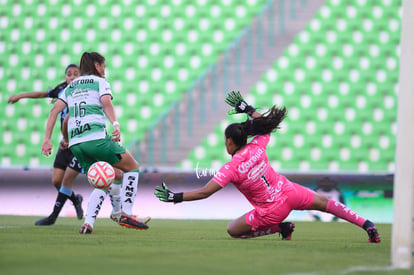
x: 89, y: 99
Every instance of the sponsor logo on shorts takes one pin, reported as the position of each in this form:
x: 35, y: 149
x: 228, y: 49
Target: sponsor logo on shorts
x: 251, y: 217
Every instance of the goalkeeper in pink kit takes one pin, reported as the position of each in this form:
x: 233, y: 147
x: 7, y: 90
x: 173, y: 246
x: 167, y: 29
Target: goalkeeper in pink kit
x: 272, y: 195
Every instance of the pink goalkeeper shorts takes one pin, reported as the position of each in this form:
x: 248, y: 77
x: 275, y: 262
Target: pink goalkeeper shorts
x: 294, y: 197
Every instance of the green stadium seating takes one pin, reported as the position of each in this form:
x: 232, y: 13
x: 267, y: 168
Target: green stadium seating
x: 343, y: 99
x: 344, y: 121
x: 154, y: 49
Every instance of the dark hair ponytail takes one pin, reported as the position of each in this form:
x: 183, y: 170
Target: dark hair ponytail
x: 267, y: 123
x: 87, y: 63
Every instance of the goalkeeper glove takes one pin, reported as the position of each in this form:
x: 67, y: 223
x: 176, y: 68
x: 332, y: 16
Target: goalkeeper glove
x: 164, y: 194
x: 236, y: 100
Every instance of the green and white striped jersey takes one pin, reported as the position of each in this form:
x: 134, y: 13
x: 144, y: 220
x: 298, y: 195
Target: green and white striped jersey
x: 87, y: 120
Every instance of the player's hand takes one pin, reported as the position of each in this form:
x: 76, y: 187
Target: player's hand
x: 64, y: 145
x: 116, y: 133
x: 47, y: 147
x: 164, y: 194
x: 13, y: 99
x: 236, y: 100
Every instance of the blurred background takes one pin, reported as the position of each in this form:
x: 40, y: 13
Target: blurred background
x: 333, y: 64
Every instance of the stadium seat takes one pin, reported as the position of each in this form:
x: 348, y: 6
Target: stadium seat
x: 343, y: 99
x: 166, y: 44
x: 156, y: 49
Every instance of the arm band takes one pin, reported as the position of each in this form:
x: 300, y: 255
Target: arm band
x: 115, y: 123
x: 250, y: 110
x: 178, y: 197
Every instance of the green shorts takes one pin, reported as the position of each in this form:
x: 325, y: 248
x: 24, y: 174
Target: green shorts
x: 92, y: 151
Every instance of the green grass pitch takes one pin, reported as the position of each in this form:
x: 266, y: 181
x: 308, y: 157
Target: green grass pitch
x: 188, y: 247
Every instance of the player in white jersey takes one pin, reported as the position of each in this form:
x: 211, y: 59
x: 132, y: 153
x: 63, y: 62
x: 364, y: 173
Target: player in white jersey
x: 88, y: 121
x: 89, y: 99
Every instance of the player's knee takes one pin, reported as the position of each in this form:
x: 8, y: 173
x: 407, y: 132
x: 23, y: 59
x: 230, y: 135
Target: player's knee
x: 320, y: 202
x: 135, y: 165
x: 118, y: 174
x: 232, y: 232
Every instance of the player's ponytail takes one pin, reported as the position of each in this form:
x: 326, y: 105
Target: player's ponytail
x: 87, y: 63
x: 266, y: 123
x: 263, y: 125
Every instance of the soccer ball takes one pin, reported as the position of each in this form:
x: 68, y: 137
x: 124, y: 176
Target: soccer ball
x: 101, y: 175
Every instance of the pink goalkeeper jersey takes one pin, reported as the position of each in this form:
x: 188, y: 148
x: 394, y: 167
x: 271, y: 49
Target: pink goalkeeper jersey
x: 250, y: 171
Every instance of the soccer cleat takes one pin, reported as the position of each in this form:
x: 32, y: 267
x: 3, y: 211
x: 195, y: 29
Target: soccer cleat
x: 116, y: 217
x: 145, y: 219
x: 78, y: 206
x: 126, y: 221
x: 287, y: 229
x: 46, y: 221
x: 86, y: 229
x: 373, y: 235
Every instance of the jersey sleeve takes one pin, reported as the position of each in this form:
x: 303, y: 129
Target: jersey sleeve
x: 225, y: 175
x: 62, y: 96
x: 261, y: 140
x: 104, y: 88
x: 54, y: 93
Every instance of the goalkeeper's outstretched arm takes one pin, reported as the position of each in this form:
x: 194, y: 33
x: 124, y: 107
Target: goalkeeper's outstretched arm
x: 163, y: 193
x: 206, y: 191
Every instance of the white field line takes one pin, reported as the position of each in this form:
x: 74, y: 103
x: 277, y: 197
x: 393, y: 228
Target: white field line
x: 350, y: 270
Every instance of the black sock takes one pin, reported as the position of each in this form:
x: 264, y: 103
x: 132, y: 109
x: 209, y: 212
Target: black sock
x: 60, y: 202
x: 72, y: 197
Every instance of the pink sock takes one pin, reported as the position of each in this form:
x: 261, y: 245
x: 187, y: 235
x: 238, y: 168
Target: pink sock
x: 341, y: 211
x: 268, y: 230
